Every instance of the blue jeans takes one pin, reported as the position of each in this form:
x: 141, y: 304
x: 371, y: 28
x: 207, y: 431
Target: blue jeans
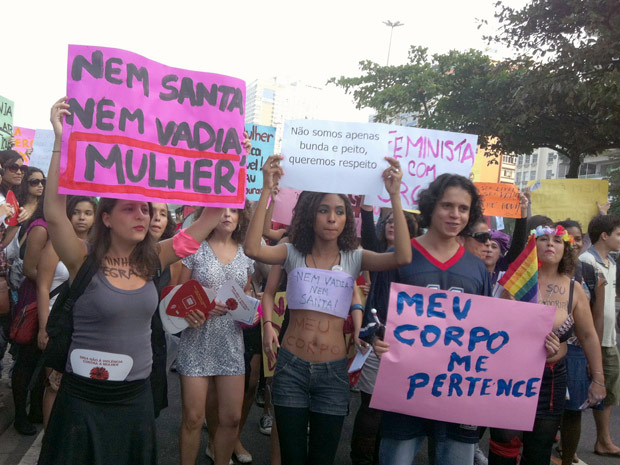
x: 321, y: 387
x: 447, y: 452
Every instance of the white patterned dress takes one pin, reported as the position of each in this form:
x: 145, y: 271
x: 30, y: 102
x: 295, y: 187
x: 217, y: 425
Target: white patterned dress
x: 215, y: 348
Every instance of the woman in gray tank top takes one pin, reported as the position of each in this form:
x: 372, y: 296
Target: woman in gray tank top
x: 104, y: 409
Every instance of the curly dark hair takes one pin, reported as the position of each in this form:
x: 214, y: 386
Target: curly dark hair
x: 302, y: 224
x: 434, y: 192
x: 568, y: 261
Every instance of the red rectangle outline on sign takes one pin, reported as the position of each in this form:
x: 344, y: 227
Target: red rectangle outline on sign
x: 70, y: 182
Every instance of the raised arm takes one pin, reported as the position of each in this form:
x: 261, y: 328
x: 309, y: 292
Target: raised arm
x: 199, y: 230
x: 172, y: 250
x: 401, y: 255
x: 271, y: 255
x: 69, y: 247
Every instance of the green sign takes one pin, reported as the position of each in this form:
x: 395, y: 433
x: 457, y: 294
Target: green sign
x: 6, y: 122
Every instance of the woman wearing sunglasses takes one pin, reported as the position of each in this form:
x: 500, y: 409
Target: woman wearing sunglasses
x: 14, y: 170
x: 32, y: 239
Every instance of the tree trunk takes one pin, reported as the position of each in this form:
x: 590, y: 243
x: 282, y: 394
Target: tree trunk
x: 573, y: 168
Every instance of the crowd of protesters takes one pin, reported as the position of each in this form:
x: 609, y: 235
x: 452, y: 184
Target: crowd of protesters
x: 136, y: 249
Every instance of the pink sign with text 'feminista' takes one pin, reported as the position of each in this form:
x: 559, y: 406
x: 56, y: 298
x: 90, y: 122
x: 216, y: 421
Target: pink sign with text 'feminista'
x: 141, y: 130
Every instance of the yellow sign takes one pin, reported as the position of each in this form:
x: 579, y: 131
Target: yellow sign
x: 576, y: 199
x: 277, y: 318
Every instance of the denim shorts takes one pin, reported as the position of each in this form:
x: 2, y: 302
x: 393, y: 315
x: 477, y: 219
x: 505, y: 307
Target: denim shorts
x: 321, y: 387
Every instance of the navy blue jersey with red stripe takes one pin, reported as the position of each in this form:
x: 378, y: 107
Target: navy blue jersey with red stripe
x: 464, y: 272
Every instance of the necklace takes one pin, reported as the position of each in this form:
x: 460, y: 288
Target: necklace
x: 332, y: 264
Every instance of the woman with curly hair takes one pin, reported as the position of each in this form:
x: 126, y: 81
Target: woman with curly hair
x: 572, y: 315
x: 310, y: 384
x: 212, y: 355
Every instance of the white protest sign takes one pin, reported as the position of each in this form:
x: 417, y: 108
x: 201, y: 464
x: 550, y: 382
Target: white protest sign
x: 329, y: 156
x: 42, y: 149
x: 424, y: 154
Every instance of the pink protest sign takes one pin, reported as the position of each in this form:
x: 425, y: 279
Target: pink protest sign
x: 425, y: 154
x: 463, y: 358
x: 24, y: 139
x: 325, y: 291
x: 145, y: 131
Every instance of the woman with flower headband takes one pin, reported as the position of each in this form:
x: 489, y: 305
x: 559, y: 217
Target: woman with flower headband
x: 572, y: 314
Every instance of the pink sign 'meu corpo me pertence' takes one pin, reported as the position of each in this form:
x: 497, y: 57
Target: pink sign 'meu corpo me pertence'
x: 463, y: 358
x: 141, y: 130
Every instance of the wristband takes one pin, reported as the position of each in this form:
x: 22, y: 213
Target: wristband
x: 596, y: 382
x: 357, y: 307
x: 184, y: 244
x: 265, y: 322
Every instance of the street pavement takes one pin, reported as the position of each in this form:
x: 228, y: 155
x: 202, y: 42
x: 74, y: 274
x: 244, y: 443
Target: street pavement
x: 23, y: 450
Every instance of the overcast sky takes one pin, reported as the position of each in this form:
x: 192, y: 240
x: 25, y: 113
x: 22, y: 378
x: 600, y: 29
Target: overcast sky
x: 310, y: 41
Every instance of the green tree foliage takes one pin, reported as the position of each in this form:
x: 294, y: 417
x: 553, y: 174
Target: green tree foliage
x: 561, y: 90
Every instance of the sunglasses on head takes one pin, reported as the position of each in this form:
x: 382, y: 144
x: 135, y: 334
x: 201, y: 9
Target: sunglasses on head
x: 14, y: 168
x: 481, y: 237
x: 36, y: 182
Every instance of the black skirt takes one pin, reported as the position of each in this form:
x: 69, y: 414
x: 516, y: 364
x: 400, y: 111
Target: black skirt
x: 97, y: 422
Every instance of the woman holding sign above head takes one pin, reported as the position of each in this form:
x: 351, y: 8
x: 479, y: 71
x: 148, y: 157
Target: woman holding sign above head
x: 572, y: 315
x: 104, y: 409
x: 310, y: 384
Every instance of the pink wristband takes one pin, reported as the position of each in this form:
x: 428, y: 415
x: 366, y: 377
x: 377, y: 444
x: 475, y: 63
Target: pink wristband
x: 184, y: 244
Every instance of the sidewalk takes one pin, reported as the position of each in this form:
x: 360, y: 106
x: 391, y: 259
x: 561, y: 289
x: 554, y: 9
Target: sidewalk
x: 7, y: 409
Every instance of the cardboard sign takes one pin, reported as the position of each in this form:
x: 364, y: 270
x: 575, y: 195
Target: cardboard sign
x: 263, y: 140
x: 141, y: 130
x: 7, y: 108
x: 42, y: 146
x: 499, y: 199
x: 463, y: 358
x: 24, y: 139
x: 328, y: 156
x: 576, y: 199
x: 277, y: 318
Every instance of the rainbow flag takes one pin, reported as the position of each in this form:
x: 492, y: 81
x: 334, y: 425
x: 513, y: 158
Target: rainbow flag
x: 521, y: 278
